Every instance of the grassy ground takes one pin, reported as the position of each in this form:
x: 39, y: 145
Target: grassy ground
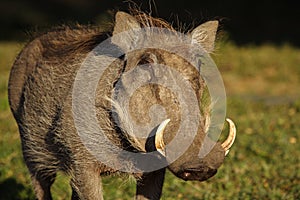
x: 262, y: 84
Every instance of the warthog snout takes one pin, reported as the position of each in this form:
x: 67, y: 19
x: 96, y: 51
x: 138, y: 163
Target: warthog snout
x: 191, y: 166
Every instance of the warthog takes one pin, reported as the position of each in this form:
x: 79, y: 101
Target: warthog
x: 41, y: 97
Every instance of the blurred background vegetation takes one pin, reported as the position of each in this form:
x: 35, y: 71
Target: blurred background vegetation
x: 254, y: 21
x: 258, y: 57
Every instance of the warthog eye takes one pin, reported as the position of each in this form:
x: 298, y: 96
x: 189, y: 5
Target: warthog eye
x: 199, y: 63
x: 199, y: 60
x: 147, y: 59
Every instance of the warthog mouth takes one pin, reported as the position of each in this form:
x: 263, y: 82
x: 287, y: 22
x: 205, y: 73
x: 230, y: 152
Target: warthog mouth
x: 199, y: 174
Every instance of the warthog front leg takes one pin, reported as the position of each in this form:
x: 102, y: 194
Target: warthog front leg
x: 42, y: 186
x: 150, y: 185
x: 86, y: 183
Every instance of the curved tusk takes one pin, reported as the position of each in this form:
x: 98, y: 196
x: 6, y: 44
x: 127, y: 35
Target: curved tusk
x: 231, y: 137
x: 159, y: 141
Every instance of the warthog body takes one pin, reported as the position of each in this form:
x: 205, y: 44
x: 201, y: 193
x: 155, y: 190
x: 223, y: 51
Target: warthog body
x: 40, y: 96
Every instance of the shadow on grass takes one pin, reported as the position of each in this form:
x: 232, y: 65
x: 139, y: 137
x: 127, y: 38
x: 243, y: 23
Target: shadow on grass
x: 10, y: 189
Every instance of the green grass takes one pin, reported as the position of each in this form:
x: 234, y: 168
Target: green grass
x: 262, y: 84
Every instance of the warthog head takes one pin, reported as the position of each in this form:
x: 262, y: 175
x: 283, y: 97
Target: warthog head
x: 191, y: 156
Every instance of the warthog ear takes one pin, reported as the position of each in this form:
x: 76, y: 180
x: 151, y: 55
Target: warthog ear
x: 125, y: 23
x: 205, y: 35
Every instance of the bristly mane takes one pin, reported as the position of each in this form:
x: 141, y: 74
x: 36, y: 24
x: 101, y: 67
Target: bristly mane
x: 85, y: 37
x: 147, y: 20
